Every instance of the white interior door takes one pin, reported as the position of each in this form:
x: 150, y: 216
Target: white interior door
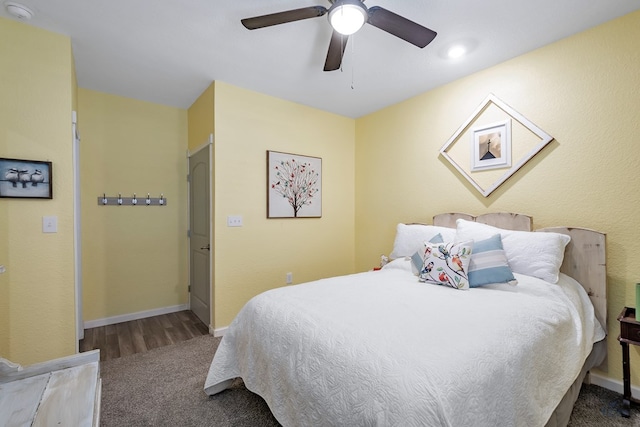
x: 200, y: 236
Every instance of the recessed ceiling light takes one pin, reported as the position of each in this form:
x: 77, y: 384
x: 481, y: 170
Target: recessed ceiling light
x: 19, y: 11
x: 456, y: 51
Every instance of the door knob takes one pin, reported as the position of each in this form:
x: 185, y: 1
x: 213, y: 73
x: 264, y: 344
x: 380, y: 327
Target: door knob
x: 208, y: 247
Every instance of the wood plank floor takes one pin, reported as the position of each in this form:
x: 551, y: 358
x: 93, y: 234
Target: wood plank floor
x: 138, y: 336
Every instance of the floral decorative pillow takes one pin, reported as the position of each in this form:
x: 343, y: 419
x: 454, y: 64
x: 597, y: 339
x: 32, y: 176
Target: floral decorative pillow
x: 417, y: 259
x: 446, y: 264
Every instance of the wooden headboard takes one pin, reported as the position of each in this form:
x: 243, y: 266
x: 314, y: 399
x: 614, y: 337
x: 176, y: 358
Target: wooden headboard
x: 585, y: 257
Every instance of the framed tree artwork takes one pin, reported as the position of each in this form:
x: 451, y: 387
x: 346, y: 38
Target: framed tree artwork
x: 27, y: 179
x: 294, y: 186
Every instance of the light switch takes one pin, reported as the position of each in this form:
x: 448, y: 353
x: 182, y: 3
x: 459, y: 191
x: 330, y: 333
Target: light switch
x: 49, y: 224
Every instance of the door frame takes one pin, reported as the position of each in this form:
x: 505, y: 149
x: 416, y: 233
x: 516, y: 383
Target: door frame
x: 206, y: 145
x: 77, y: 230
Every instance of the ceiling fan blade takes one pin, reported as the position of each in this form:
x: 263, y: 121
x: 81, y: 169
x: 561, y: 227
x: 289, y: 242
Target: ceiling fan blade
x: 336, y: 50
x: 400, y: 26
x: 283, y: 17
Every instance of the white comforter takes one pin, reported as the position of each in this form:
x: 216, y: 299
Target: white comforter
x: 380, y: 348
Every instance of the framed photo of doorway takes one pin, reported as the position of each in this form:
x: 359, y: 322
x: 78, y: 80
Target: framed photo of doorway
x: 491, y: 146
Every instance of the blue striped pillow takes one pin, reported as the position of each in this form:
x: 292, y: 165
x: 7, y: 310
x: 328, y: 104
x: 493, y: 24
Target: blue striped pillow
x: 489, y: 263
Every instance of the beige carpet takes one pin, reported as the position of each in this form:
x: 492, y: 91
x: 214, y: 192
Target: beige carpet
x: 164, y: 387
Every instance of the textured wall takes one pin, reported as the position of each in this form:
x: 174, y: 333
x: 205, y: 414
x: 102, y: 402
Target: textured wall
x: 37, y: 292
x: 134, y: 257
x: 257, y: 256
x: 200, y: 118
x: 583, y: 91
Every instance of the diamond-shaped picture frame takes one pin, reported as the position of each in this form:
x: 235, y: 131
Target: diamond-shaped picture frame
x: 492, y: 100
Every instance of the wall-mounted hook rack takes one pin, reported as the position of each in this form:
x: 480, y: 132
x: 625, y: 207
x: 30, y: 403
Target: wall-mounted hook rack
x: 118, y: 200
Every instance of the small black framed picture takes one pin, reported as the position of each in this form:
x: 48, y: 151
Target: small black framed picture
x: 26, y: 179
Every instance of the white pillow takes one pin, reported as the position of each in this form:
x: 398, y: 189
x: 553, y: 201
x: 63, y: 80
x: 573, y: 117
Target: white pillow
x: 411, y: 237
x: 399, y: 264
x: 531, y: 253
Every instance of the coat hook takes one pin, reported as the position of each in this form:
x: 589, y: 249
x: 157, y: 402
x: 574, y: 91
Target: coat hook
x: 104, y: 199
x: 148, y: 201
x: 134, y: 201
x: 119, y: 199
x: 161, y: 201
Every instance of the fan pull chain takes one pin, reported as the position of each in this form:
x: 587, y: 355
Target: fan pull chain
x: 341, y: 50
x: 353, y: 59
x: 353, y: 49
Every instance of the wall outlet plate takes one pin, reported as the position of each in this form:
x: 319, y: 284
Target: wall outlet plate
x: 234, y: 221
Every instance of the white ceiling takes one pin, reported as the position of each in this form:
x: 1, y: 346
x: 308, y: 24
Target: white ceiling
x: 169, y: 51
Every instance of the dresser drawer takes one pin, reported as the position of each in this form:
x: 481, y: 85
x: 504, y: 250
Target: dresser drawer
x: 629, y: 326
x: 630, y: 332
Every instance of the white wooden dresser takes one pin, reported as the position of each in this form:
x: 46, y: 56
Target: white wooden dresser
x: 60, y: 392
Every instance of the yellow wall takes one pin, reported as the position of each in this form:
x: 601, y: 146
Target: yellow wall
x: 585, y: 92
x: 134, y: 257
x: 37, y: 292
x: 257, y: 256
x: 200, y: 118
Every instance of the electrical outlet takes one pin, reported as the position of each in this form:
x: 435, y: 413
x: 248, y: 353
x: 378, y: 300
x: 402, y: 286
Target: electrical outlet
x: 289, y: 278
x: 234, y: 221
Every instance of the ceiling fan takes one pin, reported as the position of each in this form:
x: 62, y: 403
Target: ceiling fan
x: 347, y: 17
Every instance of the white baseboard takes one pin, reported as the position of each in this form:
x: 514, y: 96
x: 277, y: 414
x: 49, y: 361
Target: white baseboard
x: 611, y: 384
x: 134, y: 316
x: 219, y: 332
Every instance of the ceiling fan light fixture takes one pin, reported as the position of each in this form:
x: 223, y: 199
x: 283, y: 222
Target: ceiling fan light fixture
x: 348, y: 16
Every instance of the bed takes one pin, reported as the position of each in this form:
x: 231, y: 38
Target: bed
x: 385, y: 348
